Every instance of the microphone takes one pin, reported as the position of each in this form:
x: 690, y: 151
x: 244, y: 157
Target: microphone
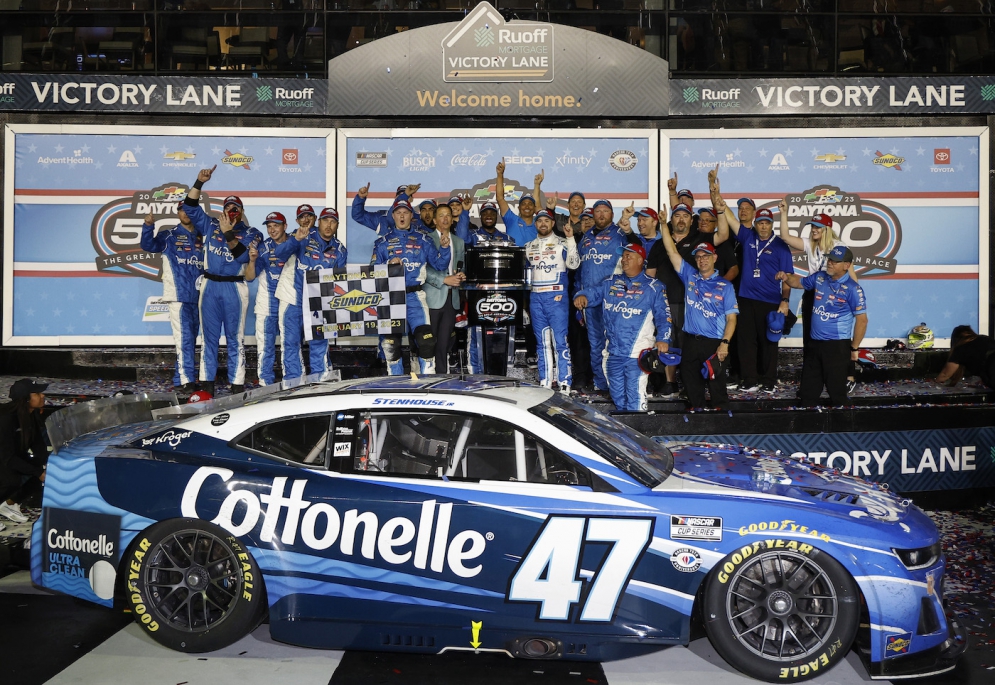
x: 459, y: 265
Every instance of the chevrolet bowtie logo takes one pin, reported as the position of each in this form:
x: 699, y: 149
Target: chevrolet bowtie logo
x: 830, y: 158
x: 179, y: 156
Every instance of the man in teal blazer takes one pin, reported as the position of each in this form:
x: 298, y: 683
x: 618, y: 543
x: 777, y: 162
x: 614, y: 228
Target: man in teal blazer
x: 442, y: 289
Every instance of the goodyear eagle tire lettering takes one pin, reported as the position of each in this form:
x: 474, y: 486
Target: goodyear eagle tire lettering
x: 781, y: 611
x: 192, y: 586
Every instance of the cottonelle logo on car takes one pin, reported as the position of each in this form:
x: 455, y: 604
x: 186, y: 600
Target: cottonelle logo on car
x: 870, y: 229
x: 116, y: 229
x: 484, y: 49
x: 81, y: 546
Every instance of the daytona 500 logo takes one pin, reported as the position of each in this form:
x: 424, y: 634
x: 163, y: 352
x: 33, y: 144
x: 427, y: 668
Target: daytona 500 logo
x: 320, y: 526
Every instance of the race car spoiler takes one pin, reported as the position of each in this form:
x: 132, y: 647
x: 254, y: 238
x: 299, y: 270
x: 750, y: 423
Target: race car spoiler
x: 86, y: 417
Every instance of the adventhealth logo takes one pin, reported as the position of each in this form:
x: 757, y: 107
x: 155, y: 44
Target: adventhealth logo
x: 690, y: 94
x: 264, y: 93
x: 484, y: 36
x: 988, y: 92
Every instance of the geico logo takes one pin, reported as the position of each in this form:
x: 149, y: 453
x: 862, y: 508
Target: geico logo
x: 68, y: 541
x: 515, y: 159
x: 221, y: 252
x: 695, y: 304
x: 732, y: 94
x: 496, y: 307
x: 821, y: 312
x: 598, y: 257
x: 285, y: 94
x: 320, y: 526
x: 626, y: 312
x: 508, y: 36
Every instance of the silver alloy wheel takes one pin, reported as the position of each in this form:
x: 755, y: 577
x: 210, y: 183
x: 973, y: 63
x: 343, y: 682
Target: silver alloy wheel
x: 782, y: 606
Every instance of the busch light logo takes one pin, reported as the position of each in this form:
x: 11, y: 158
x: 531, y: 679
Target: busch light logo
x: 423, y: 540
x: 417, y: 160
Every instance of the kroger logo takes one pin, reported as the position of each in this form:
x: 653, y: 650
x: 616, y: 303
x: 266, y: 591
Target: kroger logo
x: 598, y: 258
x: 626, y: 312
x: 396, y: 541
x: 821, y: 312
x: 690, y: 94
x: 264, y: 93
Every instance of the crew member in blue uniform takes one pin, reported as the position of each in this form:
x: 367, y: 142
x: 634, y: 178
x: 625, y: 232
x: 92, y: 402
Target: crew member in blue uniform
x: 182, y: 264
x: 839, y: 321
x: 380, y: 221
x: 224, y: 299
x: 599, y: 259
x: 636, y: 318
x: 264, y: 264
x: 415, y: 251
x: 710, y: 313
x: 549, y: 257
x: 307, y: 249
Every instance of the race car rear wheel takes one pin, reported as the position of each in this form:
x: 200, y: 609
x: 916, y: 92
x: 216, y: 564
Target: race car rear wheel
x: 193, y: 586
x: 781, y: 614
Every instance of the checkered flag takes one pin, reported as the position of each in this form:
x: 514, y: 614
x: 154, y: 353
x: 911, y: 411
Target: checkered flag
x: 354, y: 301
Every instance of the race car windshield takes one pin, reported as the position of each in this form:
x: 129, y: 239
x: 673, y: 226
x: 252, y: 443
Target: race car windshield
x: 647, y: 461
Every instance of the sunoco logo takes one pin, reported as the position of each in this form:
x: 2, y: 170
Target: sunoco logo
x: 355, y: 301
x: 237, y: 159
x: 870, y: 229
x: 889, y: 161
x: 483, y: 48
x: 116, y: 229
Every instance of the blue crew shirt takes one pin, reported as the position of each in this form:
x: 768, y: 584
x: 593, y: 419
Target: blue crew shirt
x: 836, y: 304
x: 519, y: 231
x: 707, y: 301
x: 769, y: 256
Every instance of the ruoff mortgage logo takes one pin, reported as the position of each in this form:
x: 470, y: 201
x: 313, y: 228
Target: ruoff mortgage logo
x: 987, y: 92
x: 264, y: 93
x: 483, y: 48
x: 870, y: 229
x: 116, y: 229
x: 711, y: 98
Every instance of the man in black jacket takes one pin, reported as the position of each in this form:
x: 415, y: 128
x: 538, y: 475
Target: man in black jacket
x: 21, y: 432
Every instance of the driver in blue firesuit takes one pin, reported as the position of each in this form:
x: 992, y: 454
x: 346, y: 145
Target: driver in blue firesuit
x: 380, y: 221
x: 268, y: 269
x: 636, y: 318
x: 414, y: 250
x: 182, y: 264
x: 224, y: 299
x: 308, y: 249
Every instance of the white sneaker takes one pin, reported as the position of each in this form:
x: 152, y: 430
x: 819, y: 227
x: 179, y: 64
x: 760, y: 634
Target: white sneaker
x: 12, y: 512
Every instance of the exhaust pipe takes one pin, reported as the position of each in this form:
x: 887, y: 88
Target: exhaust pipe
x: 539, y: 648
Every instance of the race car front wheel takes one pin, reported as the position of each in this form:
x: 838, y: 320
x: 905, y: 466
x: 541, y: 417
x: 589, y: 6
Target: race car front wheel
x: 193, y: 586
x: 781, y: 611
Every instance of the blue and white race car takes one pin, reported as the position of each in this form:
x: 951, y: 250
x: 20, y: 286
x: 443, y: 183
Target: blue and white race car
x: 439, y: 514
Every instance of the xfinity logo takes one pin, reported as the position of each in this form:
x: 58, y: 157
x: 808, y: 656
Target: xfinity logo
x: 579, y: 161
x: 400, y: 540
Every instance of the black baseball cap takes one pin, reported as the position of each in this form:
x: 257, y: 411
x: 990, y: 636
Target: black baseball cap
x: 23, y: 388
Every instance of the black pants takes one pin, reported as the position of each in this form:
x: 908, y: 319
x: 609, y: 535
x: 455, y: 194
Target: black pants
x: 696, y: 350
x: 826, y: 364
x: 580, y: 351
x: 757, y: 354
x: 443, y: 322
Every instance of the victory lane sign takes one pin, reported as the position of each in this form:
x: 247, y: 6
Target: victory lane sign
x: 351, y: 301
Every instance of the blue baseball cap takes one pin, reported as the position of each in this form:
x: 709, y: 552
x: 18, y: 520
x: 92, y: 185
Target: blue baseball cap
x: 432, y: 203
x: 681, y: 208
x: 401, y: 204
x: 526, y: 196
x: 775, y: 326
x: 602, y: 203
x: 708, y: 210
x: 747, y: 201
x: 579, y: 194
x: 544, y: 213
x: 840, y: 253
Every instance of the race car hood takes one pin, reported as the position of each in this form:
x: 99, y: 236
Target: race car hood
x: 733, y: 466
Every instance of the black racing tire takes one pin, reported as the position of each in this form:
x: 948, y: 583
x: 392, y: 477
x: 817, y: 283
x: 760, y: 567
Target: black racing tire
x: 781, y: 611
x: 192, y: 586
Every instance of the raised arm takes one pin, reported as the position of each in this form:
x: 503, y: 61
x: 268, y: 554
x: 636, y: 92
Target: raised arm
x: 671, y: 247
x: 792, y: 280
x: 150, y: 240
x: 537, y: 188
x: 499, y: 189
x: 795, y: 242
x: 624, y: 221
x: 720, y: 206
x: 672, y: 189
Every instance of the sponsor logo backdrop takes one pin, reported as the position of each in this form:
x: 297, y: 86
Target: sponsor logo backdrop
x: 908, y: 206
x: 620, y: 169
x: 79, y: 274
x: 908, y: 461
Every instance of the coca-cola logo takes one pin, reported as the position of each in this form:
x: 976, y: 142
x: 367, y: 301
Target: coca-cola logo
x: 475, y: 160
